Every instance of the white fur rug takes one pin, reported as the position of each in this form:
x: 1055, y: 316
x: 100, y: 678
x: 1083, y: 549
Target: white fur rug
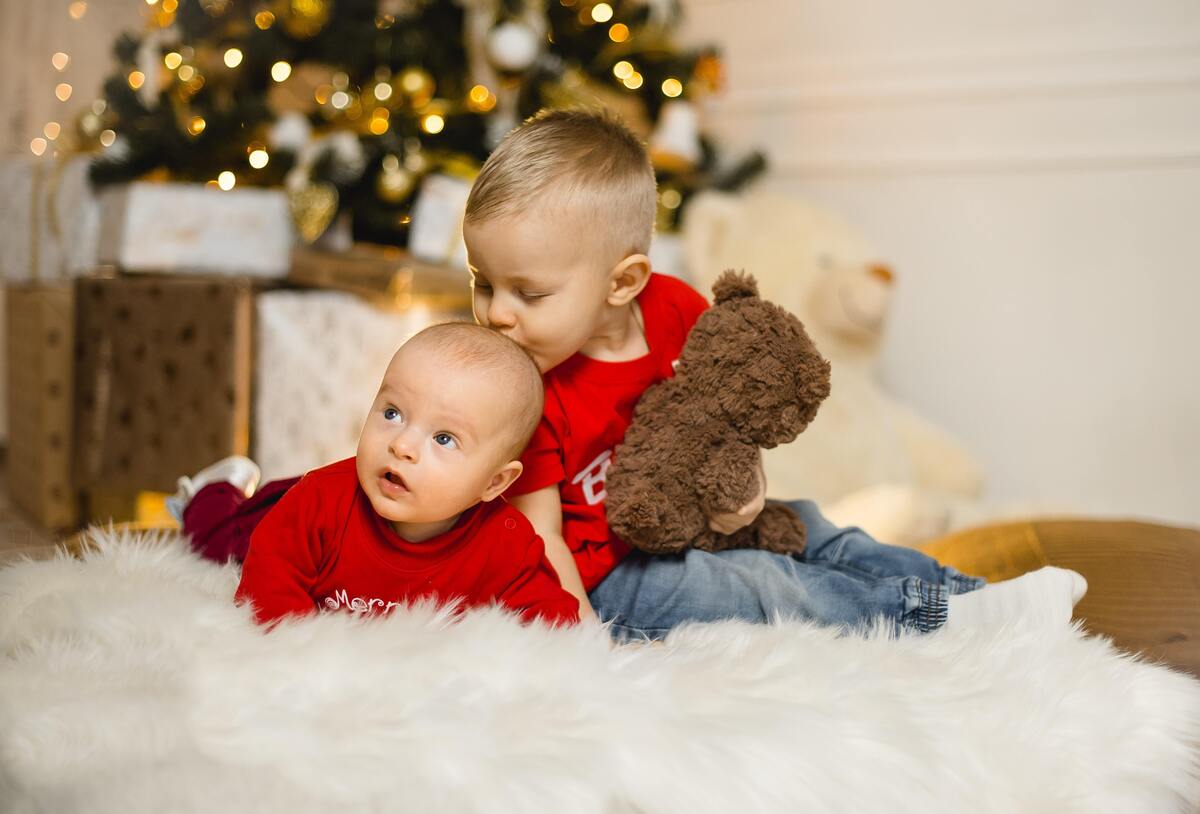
x: 129, y: 683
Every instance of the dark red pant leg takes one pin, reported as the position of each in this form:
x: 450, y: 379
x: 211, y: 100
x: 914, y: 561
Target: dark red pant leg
x: 220, y: 519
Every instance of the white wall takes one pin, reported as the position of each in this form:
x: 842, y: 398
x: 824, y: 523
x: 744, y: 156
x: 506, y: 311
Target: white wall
x: 1032, y: 170
x: 30, y: 32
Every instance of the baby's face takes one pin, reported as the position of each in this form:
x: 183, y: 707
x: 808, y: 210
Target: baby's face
x: 538, y: 282
x: 433, y: 440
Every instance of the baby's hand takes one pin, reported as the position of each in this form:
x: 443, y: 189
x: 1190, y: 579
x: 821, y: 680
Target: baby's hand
x: 730, y: 522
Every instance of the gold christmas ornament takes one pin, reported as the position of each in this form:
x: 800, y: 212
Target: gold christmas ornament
x: 313, y: 209
x: 395, y: 183
x: 710, y: 71
x: 298, y: 92
x: 303, y: 19
x: 417, y: 86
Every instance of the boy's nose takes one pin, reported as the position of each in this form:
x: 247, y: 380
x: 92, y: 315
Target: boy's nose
x: 499, y: 315
x: 401, y: 447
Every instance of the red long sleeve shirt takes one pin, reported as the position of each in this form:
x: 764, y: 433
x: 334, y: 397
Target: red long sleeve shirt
x: 323, y: 547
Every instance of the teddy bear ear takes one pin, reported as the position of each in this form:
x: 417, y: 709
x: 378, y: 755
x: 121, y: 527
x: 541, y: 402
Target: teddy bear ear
x: 732, y: 284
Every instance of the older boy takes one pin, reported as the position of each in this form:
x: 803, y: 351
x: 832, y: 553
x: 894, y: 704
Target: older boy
x: 417, y: 513
x: 558, y: 226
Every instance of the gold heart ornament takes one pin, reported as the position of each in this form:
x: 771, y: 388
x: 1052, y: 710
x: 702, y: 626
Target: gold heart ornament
x: 313, y: 208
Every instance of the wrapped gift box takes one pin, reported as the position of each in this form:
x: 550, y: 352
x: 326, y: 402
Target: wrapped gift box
x: 40, y: 322
x: 320, y: 356
x: 49, y: 218
x: 163, y: 378
x: 386, y: 276
x: 167, y: 227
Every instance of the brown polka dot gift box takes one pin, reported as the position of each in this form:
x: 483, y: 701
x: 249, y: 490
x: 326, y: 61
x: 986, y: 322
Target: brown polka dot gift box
x: 163, y: 370
x: 39, y: 327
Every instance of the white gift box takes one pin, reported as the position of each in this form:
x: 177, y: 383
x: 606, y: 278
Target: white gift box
x: 49, y: 218
x: 194, y: 228
x: 320, y: 356
x: 437, y: 216
x: 55, y: 225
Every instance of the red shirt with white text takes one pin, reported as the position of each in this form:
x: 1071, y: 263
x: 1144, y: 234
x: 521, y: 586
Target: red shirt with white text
x: 589, y: 405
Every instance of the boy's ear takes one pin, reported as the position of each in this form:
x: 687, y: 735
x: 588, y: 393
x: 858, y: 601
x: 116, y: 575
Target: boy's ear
x: 502, y: 480
x: 628, y: 278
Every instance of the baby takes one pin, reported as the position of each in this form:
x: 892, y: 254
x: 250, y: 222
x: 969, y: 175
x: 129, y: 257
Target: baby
x: 417, y: 513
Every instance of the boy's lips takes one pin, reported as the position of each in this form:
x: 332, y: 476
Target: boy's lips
x: 391, y: 484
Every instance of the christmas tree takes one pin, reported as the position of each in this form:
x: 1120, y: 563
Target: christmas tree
x: 350, y: 103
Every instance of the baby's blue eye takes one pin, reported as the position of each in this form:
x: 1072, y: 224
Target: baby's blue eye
x: 445, y: 440
x: 390, y: 413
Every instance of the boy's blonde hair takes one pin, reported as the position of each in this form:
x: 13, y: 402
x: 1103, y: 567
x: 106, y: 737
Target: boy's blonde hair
x: 585, y: 162
x: 495, y: 355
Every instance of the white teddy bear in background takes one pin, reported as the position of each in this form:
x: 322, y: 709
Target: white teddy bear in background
x: 867, y: 460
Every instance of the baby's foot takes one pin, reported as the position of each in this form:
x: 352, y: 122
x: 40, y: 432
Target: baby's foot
x: 1046, y: 595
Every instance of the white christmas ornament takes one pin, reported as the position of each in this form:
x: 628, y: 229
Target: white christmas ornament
x: 291, y: 132
x: 512, y: 46
x: 678, y: 132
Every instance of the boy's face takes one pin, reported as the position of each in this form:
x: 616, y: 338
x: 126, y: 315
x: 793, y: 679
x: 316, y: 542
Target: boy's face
x: 538, y: 282
x: 434, y: 442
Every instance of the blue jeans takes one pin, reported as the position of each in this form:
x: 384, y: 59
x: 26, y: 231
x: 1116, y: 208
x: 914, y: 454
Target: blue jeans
x: 843, y: 577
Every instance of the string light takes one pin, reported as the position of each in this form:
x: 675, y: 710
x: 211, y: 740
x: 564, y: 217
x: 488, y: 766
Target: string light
x: 107, y: 138
x: 62, y: 91
x: 136, y: 79
x: 186, y: 72
x: 170, y: 6
x: 379, y: 125
x: 480, y: 99
x: 77, y: 9
x: 634, y: 81
x: 264, y: 20
x: 623, y: 70
x: 619, y: 32
x: 258, y: 159
x: 383, y: 91
x: 672, y: 87
x: 671, y: 198
x: 433, y: 124
x: 280, y: 71
x: 172, y: 60
x: 602, y: 12
x: 226, y: 180
x: 196, y: 125
x: 38, y: 146
x: 60, y: 60
x: 233, y: 58
x: 340, y: 99
x: 52, y: 129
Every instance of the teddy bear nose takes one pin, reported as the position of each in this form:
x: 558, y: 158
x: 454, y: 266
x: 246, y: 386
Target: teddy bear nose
x: 882, y: 273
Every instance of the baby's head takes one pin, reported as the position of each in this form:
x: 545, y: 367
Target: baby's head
x: 456, y: 407
x: 557, y: 227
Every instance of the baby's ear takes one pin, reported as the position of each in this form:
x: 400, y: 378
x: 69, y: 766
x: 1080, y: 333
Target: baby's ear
x: 503, y: 479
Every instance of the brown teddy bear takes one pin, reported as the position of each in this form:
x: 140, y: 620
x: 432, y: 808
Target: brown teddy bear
x: 748, y: 378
